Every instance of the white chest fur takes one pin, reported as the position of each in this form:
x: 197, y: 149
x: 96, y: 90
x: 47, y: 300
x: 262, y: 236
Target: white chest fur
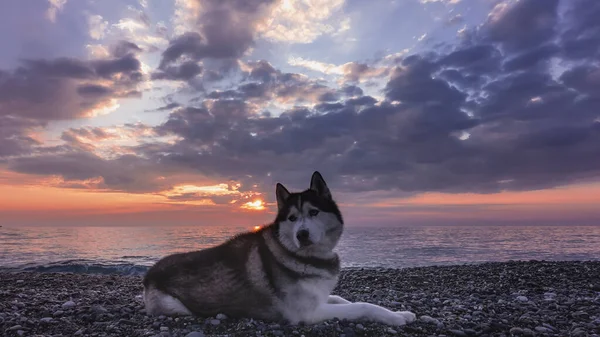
x: 304, y: 297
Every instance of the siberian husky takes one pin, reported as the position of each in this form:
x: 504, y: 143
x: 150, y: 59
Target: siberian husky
x: 283, y: 271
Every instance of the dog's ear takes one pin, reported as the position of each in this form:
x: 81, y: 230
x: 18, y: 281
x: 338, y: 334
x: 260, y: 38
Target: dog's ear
x: 317, y: 184
x: 282, y: 195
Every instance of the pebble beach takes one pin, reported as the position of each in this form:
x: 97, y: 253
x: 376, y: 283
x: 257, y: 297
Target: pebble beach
x: 534, y: 298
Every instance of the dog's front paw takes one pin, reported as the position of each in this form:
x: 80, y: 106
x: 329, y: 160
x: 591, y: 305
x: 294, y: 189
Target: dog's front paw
x: 397, y: 318
x: 408, y: 316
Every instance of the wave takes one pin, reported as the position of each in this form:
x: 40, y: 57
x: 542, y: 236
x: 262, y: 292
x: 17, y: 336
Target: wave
x: 82, y: 267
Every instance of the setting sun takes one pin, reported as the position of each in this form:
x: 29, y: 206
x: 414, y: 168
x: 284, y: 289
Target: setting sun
x: 257, y: 228
x: 256, y: 205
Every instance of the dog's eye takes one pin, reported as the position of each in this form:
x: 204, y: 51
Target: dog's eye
x: 292, y: 218
x: 313, y: 212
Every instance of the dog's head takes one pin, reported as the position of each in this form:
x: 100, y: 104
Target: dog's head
x: 310, y: 220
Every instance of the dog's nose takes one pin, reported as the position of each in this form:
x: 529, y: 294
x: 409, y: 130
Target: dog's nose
x: 303, y: 237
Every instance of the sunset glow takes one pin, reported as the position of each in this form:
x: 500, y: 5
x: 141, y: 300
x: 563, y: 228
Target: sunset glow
x: 256, y: 205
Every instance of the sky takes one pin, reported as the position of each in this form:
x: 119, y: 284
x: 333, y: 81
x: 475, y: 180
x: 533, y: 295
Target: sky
x: 172, y: 112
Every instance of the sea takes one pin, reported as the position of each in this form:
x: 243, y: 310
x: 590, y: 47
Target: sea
x: 132, y: 250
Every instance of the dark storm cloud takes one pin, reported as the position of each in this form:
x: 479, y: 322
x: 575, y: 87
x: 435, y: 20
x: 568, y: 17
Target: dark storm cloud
x: 581, y: 39
x: 126, y: 173
x: 414, y: 84
x: 538, y: 56
x: 78, y: 69
x: 523, y: 25
x: 351, y: 90
x: 93, y: 90
x: 225, y: 29
x: 15, y: 138
x: 123, y: 48
x: 65, y: 88
x: 489, y: 115
x: 262, y: 83
x: 183, y: 72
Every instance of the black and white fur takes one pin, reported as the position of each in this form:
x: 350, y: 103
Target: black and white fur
x: 284, y: 271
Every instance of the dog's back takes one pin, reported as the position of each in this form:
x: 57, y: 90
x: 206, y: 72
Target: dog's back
x: 228, y: 278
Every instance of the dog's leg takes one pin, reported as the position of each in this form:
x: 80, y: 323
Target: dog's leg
x: 334, y: 299
x: 361, y: 311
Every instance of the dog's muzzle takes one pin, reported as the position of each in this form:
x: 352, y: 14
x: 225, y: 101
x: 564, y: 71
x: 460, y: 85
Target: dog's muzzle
x: 303, y: 237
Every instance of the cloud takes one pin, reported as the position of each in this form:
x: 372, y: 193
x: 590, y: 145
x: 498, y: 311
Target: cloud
x: 441, y: 1
x: 185, y: 72
x: 55, y: 7
x: 221, y: 29
x: 504, y: 108
x: 97, y: 26
x: 17, y: 135
x: 136, y: 25
x: 296, y: 21
x: 66, y: 88
x: 40, y: 91
x: 524, y: 24
x: 350, y: 72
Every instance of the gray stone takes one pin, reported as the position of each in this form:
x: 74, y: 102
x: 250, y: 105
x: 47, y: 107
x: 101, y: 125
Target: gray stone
x: 516, y: 331
x: 215, y: 321
x: 195, y: 334
x: 98, y: 309
x: 68, y: 305
x: 528, y: 332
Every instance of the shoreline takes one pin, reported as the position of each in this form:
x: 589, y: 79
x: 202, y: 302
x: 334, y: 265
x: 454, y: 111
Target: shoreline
x: 528, y: 298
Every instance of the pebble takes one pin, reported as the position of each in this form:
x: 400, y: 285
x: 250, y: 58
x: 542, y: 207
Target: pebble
x: 478, y: 300
x: 528, y: 332
x: 522, y: 298
x: 68, y: 305
x: 98, y: 309
x: 195, y: 334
